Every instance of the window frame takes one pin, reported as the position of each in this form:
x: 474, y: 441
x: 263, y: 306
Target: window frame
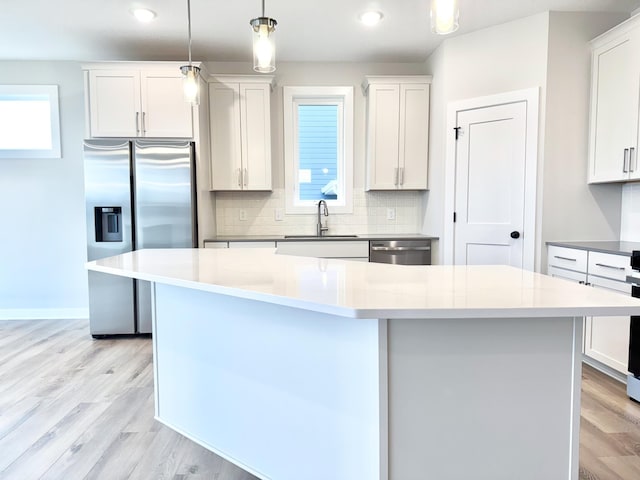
x: 51, y: 92
x: 341, y: 96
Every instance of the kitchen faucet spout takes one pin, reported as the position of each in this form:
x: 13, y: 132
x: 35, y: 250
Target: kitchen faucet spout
x: 320, y: 229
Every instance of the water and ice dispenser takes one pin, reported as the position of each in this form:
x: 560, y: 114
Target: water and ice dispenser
x: 108, y: 224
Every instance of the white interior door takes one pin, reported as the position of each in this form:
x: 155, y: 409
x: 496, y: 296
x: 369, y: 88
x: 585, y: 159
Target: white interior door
x: 490, y: 185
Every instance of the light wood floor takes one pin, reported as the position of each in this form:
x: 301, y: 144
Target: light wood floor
x: 76, y: 408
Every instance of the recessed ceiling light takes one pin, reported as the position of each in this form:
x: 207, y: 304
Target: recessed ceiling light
x: 371, y: 18
x: 143, y: 15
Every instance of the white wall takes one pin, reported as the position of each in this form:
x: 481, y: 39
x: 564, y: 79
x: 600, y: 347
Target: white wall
x: 42, y: 238
x: 504, y: 58
x: 630, y: 217
x: 571, y: 209
x: 550, y: 51
x: 369, y: 214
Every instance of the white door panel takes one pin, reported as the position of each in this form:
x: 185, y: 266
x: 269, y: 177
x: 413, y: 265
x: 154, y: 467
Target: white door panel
x: 490, y: 184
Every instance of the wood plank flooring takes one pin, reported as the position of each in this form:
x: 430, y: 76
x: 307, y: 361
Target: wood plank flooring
x: 76, y: 408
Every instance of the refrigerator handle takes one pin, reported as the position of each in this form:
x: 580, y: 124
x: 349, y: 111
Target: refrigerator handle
x: 137, y: 123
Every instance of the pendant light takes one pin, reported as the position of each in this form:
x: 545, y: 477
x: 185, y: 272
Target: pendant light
x: 444, y: 16
x: 190, y: 73
x: 264, y: 48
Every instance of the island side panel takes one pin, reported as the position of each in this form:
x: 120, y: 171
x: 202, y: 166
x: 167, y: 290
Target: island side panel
x: 282, y: 392
x: 488, y: 399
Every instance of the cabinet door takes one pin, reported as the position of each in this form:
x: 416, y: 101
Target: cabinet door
x: 224, y: 124
x: 383, y: 130
x: 114, y: 103
x: 164, y: 111
x: 606, y: 339
x: 414, y: 137
x: 614, y: 111
x: 255, y: 128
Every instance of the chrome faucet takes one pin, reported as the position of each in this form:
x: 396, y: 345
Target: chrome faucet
x: 320, y: 229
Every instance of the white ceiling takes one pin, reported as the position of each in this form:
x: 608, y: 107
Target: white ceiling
x: 308, y: 30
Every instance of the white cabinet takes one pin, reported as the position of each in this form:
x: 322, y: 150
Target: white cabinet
x: 397, y: 132
x: 124, y: 101
x: 240, y: 123
x: 606, y: 339
x: 615, y: 91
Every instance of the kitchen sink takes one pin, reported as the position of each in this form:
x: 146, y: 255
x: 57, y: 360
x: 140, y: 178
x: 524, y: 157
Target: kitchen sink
x: 315, y: 237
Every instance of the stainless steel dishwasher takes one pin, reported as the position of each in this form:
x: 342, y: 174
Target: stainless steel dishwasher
x: 400, y: 252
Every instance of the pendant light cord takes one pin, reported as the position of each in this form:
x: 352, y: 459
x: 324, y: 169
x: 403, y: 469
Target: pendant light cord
x: 263, y: 8
x: 189, y: 24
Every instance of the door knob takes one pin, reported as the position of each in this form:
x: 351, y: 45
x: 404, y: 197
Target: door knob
x: 515, y: 234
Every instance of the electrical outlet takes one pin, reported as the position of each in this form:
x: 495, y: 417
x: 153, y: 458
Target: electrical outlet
x: 391, y: 213
x: 243, y: 215
x: 278, y: 214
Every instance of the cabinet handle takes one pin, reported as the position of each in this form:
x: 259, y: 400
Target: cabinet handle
x: 395, y: 182
x: 245, y: 177
x: 565, y: 258
x: 603, y: 265
x: 632, y: 159
x: 144, y: 127
x: 137, y: 124
x: 625, y: 161
x: 240, y: 177
x: 401, y: 175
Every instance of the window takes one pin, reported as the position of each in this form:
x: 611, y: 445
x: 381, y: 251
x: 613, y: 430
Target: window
x: 29, y: 121
x: 318, y: 136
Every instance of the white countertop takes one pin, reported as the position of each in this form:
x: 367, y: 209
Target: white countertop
x: 368, y: 290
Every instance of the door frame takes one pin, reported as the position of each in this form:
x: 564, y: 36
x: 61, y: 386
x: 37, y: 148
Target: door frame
x: 531, y: 97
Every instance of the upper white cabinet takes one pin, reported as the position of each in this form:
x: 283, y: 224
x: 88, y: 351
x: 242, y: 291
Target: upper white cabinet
x: 397, y: 132
x: 127, y: 100
x: 615, y: 90
x: 240, y: 123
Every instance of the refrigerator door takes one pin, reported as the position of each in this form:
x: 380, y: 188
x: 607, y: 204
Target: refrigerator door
x: 165, y: 212
x: 109, y: 232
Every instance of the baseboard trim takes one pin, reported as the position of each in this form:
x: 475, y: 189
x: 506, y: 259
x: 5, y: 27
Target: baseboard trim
x: 43, y: 313
x: 607, y: 370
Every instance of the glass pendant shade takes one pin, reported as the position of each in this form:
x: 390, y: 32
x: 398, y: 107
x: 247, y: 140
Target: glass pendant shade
x: 444, y: 16
x: 264, y: 47
x: 190, y: 85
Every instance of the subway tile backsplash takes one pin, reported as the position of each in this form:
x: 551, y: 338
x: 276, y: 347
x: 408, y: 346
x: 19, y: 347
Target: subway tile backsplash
x: 630, y: 217
x: 369, y: 214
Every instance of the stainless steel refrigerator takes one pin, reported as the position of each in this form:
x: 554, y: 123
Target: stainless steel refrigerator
x: 139, y: 194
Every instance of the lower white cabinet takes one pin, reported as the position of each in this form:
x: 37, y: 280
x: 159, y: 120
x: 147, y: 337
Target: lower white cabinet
x: 606, y: 339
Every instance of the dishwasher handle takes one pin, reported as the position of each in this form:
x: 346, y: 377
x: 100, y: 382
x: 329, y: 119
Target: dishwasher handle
x: 400, y: 249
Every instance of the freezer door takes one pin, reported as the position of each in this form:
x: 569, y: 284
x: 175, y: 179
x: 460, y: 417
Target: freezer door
x: 164, y: 194
x: 107, y: 170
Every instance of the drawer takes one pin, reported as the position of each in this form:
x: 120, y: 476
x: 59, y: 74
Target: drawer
x: 614, y: 285
x: 607, y: 265
x: 568, y: 258
x: 216, y: 245
x: 578, y: 277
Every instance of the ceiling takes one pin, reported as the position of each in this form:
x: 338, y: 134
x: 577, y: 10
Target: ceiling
x: 308, y: 30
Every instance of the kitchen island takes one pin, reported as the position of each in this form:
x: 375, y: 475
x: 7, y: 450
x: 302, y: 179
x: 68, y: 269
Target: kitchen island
x: 303, y: 368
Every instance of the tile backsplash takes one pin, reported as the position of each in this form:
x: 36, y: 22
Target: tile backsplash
x: 369, y: 214
x: 630, y: 216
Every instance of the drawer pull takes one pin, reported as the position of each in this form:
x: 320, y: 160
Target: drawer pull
x: 565, y: 258
x: 603, y: 265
